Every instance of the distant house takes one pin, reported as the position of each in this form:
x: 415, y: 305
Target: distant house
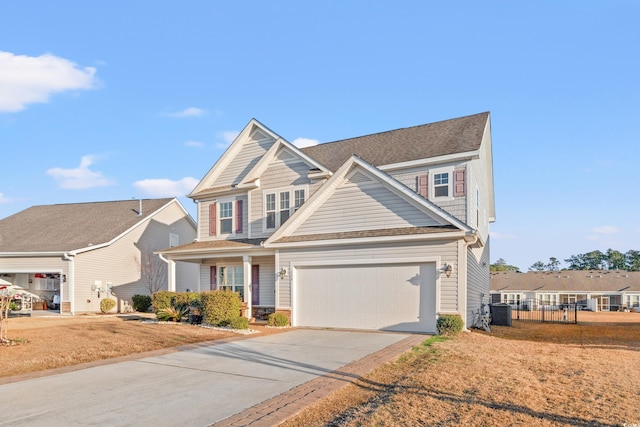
x: 385, y: 231
x: 74, y: 255
x: 611, y: 290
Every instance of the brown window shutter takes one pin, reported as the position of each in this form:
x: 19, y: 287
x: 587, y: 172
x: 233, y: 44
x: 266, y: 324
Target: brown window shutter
x: 423, y: 185
x: 239, y: 215
x: 255, y: 285
x: 213, y: 216
x: 213, y: 278
x: 459, y: 185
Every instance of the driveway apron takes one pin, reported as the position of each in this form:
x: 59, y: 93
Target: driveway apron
x: 195, y: 387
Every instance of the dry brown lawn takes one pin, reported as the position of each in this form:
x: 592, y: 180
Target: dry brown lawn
x: 528, y: 374
x: 63, y: 341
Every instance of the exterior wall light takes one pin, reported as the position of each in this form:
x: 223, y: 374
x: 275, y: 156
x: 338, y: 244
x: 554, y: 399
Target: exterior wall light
x: 447, y: 269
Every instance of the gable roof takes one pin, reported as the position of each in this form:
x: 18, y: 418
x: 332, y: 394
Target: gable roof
x: 446, y: 222
x: 67, y: 227
x: 437, y: 139
x: 566, y: 281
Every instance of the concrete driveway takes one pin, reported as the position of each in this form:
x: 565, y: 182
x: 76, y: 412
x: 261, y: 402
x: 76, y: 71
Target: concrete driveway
x: 194, y: 387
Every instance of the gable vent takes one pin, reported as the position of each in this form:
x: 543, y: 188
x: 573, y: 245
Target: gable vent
x: 359, y: 177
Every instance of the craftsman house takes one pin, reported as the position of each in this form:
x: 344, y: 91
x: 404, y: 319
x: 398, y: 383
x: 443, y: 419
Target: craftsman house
x: 69, y: 257
x: 385, y: 231
x: 597, y: 290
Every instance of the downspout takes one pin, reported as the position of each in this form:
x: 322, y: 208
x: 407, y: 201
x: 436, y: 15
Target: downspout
x: 171, y: 273
x: 71, y: 280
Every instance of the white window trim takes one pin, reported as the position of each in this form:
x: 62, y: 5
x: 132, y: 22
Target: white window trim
x: 229, y: 266
x: 432, y: 185
x: 292, y: 209
x: 219, y: 203
x: 174, y: 240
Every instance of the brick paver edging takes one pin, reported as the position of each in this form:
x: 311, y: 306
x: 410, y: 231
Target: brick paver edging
x: 284, y: 406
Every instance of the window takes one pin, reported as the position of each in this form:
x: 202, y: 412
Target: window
x: 231, y: 278
x: 226, y: 217
x: 270, y: 208
x: 174, y: 240
x: 298, y: 199
x: 284, y: 206
x: 441, y: 184
x: 278, y: 207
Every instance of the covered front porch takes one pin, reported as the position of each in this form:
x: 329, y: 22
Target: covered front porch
x: 241, y: 267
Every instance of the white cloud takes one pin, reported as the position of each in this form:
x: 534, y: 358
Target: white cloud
x: 30, y: 79
x: 606, y: 229
x: 79, y: 178
x: 228, y: 136
x: 305, y: 142
x: 194, y: 144
x: 4, y: 199
x: 164, y: 187
x: 188, y: 112
x: 501, y: 236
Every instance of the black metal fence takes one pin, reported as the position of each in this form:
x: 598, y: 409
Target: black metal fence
x: 533, y: 310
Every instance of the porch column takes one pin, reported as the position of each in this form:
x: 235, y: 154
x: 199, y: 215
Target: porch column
x: 246, y: 264
x: 171, y: 274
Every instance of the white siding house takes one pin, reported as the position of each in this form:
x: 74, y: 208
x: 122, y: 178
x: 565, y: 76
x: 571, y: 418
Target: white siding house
x: 385, y: 231
x: 87, y: 252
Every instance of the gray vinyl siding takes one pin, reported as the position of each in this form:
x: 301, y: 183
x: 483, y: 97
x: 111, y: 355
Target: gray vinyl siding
x: 478, y: 279
x: 364, y: 206
x: 409, y: 252
x: 267, y: 280
x: 119, y: 263
x: 456, y: 207
x: 250, y: 153
x: 205, y: 278
x: 279, y: 175
x: 204, y: 216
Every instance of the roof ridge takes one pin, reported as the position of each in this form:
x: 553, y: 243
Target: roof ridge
x: 398, y: 129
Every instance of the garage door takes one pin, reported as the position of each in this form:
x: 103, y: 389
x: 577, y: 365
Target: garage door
x: 397, y: 297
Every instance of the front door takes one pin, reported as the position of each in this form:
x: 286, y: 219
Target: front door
x: 604, y: 304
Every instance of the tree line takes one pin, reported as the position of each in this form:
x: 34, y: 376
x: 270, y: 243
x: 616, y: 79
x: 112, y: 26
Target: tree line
x: 595, y: 260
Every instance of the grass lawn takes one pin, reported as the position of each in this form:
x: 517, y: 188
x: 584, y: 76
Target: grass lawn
x: 528, y: 374
x: 65, y: 341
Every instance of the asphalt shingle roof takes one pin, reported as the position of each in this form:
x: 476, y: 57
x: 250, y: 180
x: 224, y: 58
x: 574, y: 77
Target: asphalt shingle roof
x: 567, y: 281
x: 66, y: 227
x: 452, y: 136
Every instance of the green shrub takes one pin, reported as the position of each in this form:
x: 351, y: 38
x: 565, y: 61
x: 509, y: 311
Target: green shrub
x: 141, y: 303
x: 161, y: 300
x: 449, y: 324
x: 106, y: 305
x: 278, y: 319
x: 172, y: 314
x: 187, y: 299
x: 239, y: 323
x: 219, y: 308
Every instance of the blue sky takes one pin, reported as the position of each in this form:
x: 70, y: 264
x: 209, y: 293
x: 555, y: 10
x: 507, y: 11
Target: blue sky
x: 114, y: 100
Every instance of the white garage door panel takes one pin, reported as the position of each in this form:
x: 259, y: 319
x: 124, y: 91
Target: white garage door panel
x: 391, y: 297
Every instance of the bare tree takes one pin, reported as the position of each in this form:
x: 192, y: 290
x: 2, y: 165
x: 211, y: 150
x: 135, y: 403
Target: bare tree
x: 153, y: 271
x: 6, y: 297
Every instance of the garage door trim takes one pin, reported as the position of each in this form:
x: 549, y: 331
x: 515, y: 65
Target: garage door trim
x: 358, y: 262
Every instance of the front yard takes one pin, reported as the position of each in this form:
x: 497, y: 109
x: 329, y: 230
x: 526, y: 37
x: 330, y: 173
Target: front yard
x: 530, y: 374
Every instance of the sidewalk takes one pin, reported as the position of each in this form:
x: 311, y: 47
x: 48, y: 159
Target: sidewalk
x: 288, y: 404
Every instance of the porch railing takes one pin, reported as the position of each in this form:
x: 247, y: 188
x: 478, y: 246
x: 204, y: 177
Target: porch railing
x: 534, y: 310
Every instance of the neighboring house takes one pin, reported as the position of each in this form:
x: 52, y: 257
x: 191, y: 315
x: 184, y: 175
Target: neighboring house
x: 611, y: 290
x: 384, y: 231
x: 78, y: 254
